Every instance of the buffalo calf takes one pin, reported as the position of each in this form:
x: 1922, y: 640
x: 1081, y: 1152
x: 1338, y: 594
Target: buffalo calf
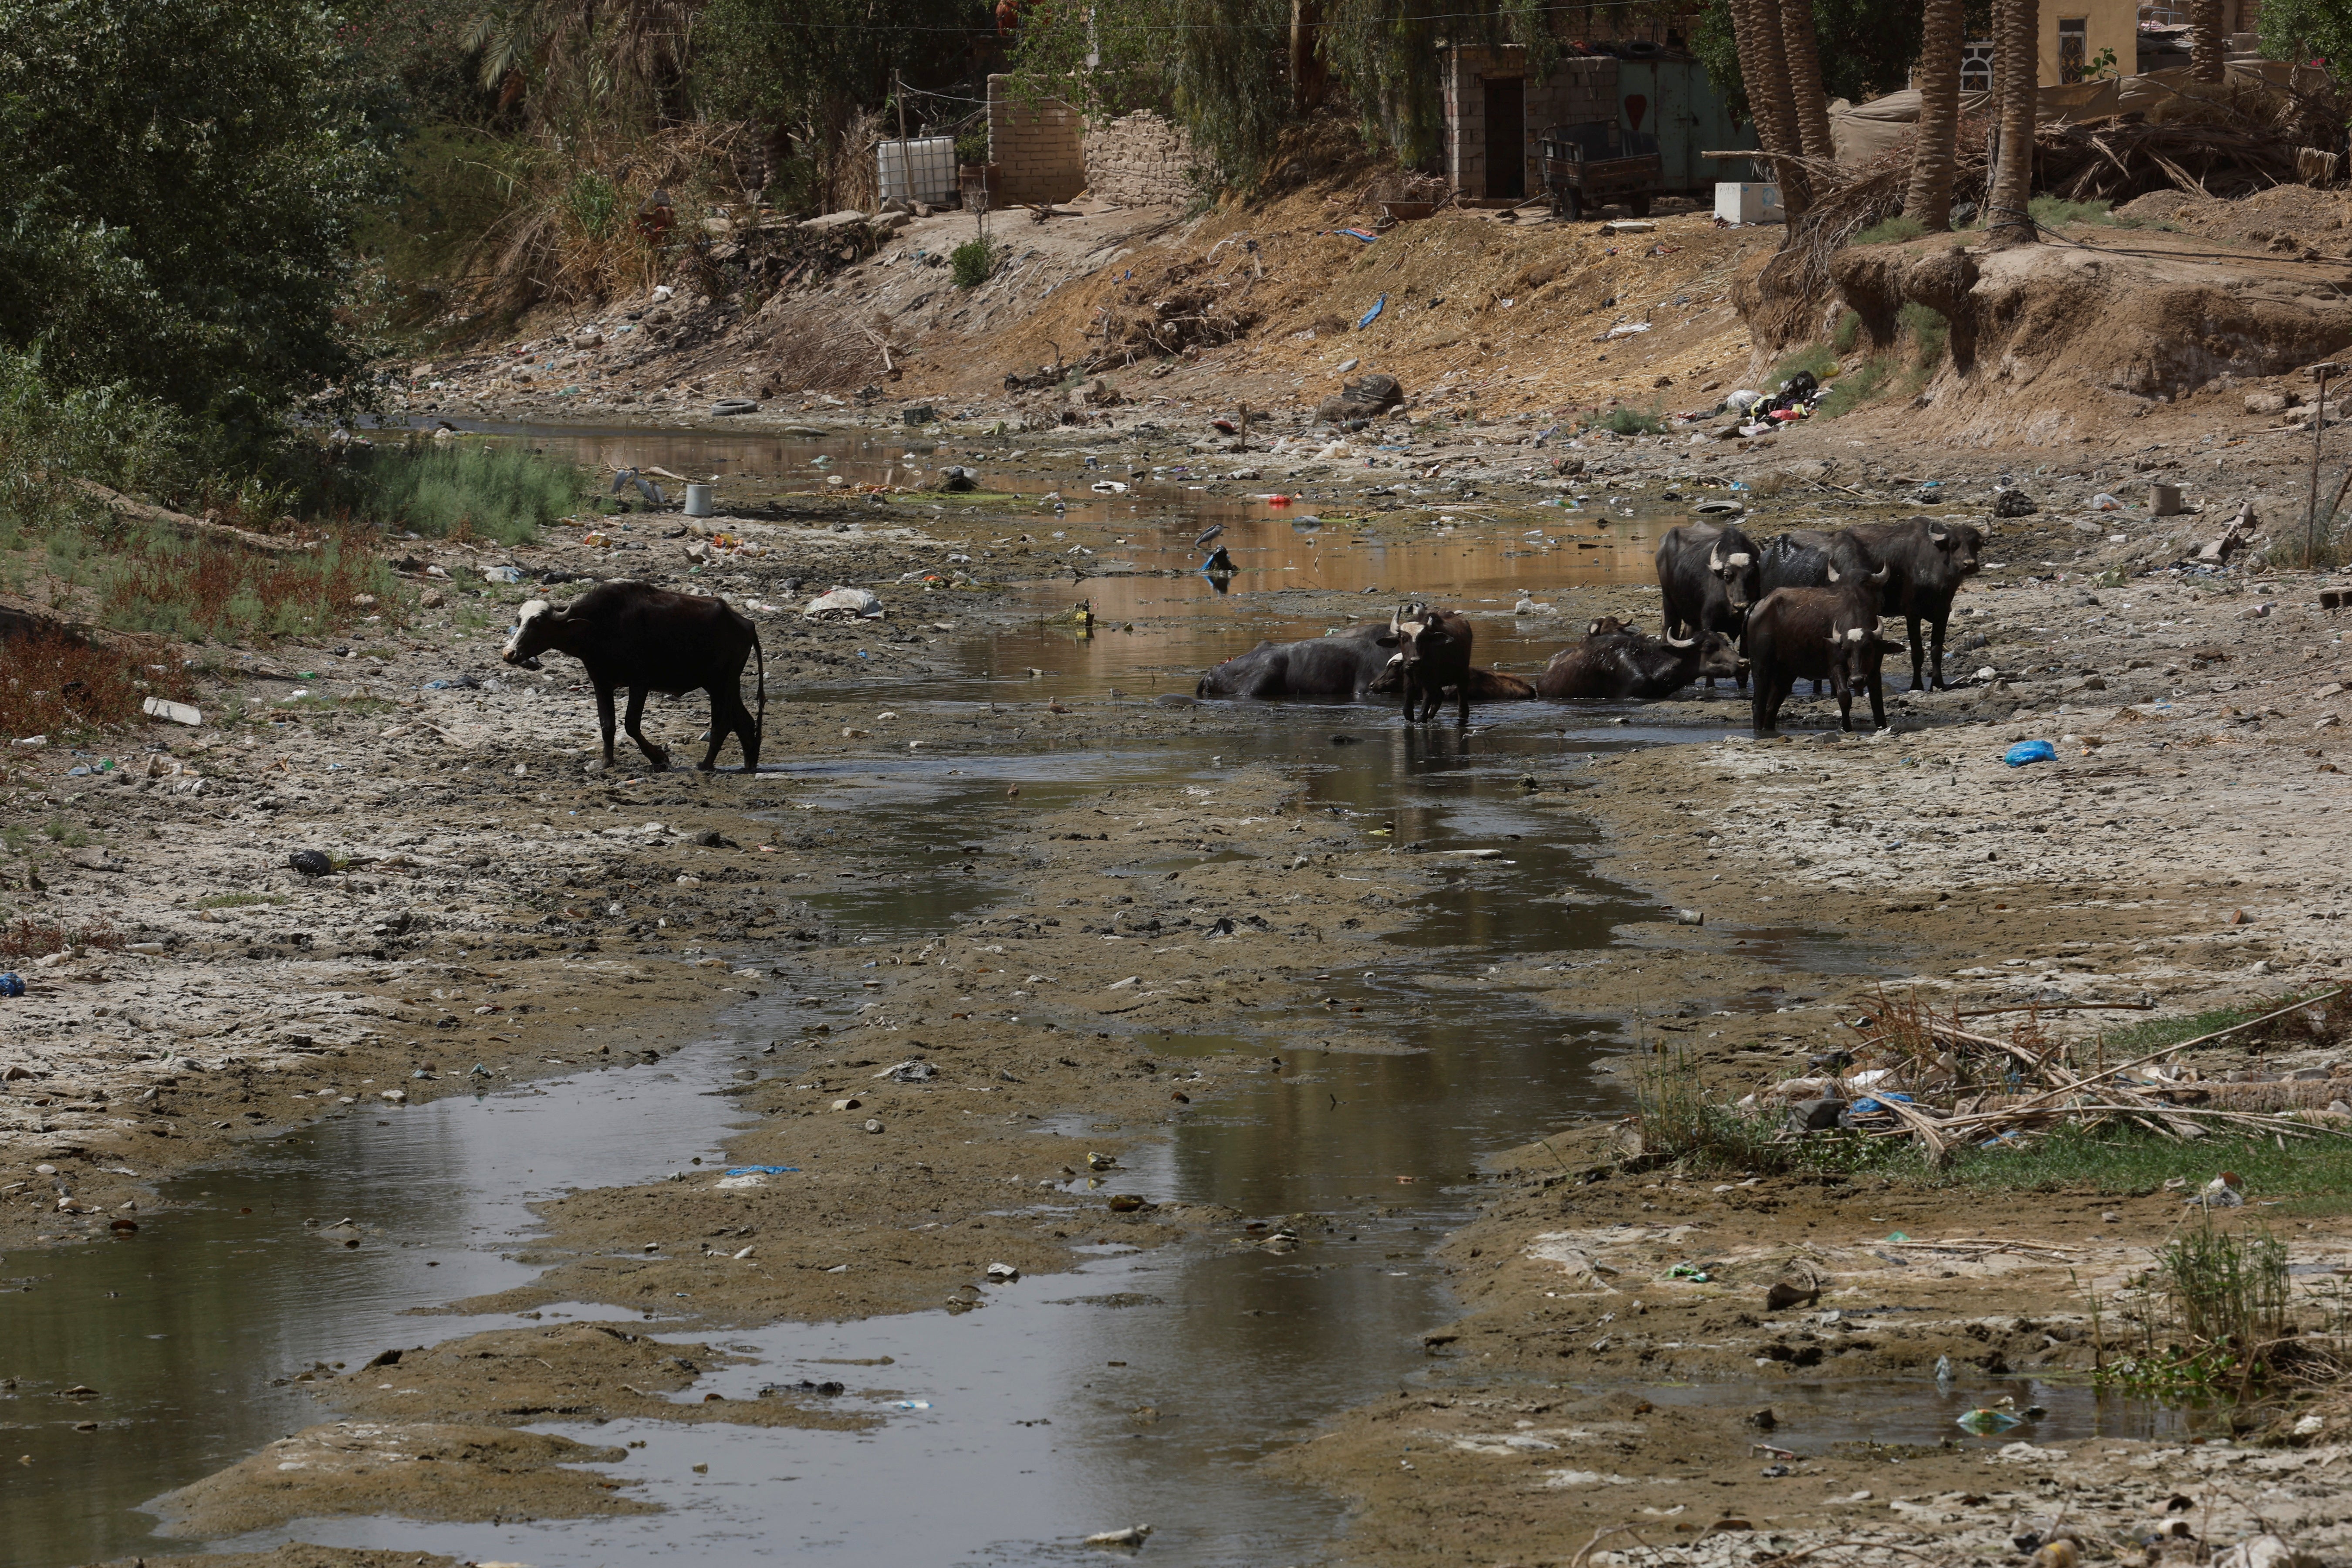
x: 1818, y: 634
x: 1434, y: 650
x: 650, y: 639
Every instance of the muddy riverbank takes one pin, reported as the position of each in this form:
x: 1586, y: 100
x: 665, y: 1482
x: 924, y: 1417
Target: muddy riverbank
x: 1014, y: 954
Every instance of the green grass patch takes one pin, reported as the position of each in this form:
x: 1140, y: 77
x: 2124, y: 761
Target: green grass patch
x: 2131, y: 1160
x: 1850, y: 391
x: 1627, y: 420
x: 1821, y: 359
x: 1891, y: 231
x: 459, y: 489
x: 60, y: 831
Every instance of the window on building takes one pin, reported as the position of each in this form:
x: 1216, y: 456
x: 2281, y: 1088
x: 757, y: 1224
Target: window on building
x: 2073, y: 48
x: 1976, y: 66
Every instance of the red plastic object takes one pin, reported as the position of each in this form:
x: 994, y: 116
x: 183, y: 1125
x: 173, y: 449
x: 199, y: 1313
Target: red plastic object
x: 1277, y: 500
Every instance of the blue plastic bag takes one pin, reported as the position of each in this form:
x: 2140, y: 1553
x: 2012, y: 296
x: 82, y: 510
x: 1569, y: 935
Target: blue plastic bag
x: 2026, y: 752
x: 1369, y: 317
x: 12, y: 984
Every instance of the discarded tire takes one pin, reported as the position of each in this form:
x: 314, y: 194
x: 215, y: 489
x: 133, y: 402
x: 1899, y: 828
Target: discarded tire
x: 726, y: 405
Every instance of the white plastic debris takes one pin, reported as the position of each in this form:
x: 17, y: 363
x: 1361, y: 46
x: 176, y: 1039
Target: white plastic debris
x: 843, y: 604
x: 159, y: 708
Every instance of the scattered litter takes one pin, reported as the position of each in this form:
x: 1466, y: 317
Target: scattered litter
x: 762, y: 1170
x: 1690, y: 1271
x: 2026, y: 752
x: 1369, y: 317
x: 156, y: 708
x: 12, y: 983
x: 1003, y: 1273
x: 2223, y: 1192
x: 1133, y: 1535
x: 909, y: 1403
x: 1354, y: 234
x: 843, y: 604
x: 1988, y: 1420
x: 503, y: 573
x: 2106, y: 502
x: 1109, y: 487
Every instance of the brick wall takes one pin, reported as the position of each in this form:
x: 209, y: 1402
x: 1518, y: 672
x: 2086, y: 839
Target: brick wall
x: 1039, y: 149
x: 1139, y: 161
x: 1577, y: 90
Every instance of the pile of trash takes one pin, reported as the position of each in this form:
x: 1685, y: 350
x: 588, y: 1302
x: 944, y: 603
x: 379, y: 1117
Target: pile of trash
x: 1761, y: 413
x: 1919, y: 1075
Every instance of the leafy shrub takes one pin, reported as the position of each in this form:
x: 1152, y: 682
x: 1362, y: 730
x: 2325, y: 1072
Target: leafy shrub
x: 1626, y: 420
x: 973, y: 262
x: 1891, y: 231
x: 495, y: 490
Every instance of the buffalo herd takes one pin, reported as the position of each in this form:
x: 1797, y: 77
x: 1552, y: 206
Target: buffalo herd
x: 1805, y: 607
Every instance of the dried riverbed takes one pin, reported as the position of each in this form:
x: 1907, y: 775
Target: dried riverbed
x: 1221, y: 953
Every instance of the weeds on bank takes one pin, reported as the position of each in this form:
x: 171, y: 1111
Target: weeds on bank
x: 59, y: 685
x: 2214, y: 1317
x: 465, y: 488
x: 29, y: 938
x: 1626, y: 420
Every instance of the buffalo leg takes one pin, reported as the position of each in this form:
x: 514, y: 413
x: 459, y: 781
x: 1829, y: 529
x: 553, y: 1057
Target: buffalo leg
x: 605, y: 716
x: 1918, y: 656
x: 1936, y: 671
x: 1878, y: 697
x: 1462, y: 710
x: 748, y: 728
x: 632, y: 720
x: 723, y: 704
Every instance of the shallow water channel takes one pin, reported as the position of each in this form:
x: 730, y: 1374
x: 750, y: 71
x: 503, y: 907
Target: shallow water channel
x: 1008, y: 1433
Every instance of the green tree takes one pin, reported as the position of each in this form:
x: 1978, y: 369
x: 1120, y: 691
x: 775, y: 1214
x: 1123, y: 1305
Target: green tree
x: 179, y: 180
x: 2307, y: 30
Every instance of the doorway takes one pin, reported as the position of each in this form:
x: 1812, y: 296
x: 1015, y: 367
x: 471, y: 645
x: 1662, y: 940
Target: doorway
x: 1506, y: 137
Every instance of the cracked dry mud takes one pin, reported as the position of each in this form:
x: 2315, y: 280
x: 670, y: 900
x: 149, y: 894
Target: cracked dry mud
x: 2185, y: 847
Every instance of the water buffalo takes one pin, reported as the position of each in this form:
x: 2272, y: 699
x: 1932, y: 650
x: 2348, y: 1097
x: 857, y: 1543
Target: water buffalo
x: 1797, y: 559
x: 1707, y: 578
x: 1928, y: 561
x: 1485, y: 685
x: 1435, y: 648
x: 1629, y: 664
x: 650, y: 639
x: 1344, y: 666
x: 1819, y: 634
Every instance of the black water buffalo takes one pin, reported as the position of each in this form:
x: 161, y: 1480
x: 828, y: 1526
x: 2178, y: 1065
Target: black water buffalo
x: 1797, y: 559
x: 650, y: 639
x: 1928, y: 561
x: 1707, y: 578
x: 1624, y: 663
x: 1485, y: 685
x: 1344, y: 665
x: 1819, y: 634
x: 1435, y: 648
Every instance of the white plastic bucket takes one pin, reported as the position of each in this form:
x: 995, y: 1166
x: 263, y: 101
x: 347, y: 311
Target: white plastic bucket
x: 698, y: 500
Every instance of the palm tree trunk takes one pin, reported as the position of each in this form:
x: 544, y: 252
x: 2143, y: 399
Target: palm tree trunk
x: 1935, y: 156
x: 1764, y: 69
x: 1810, y: 103
x: 2017, y: 75
x: 2205, y: 41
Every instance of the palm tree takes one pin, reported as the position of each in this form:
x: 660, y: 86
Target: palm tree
x: 1764, y: 70
x: 2017, y: 73
x: 1804, y: 56
x: 1933, y: 156
x: 2205, y: 41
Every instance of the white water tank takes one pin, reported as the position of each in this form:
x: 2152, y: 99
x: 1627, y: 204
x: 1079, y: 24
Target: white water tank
x: 1745, y: 201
